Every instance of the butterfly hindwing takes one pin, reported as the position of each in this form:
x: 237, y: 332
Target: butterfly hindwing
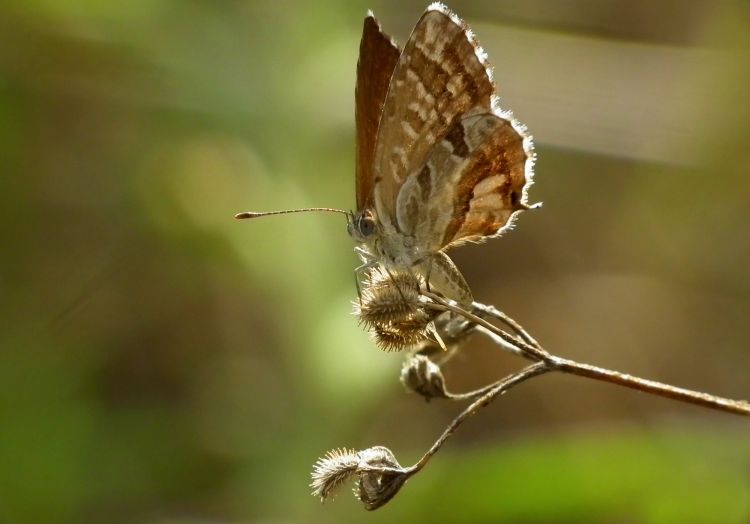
x: 469, y: 186
x: 491, y: 185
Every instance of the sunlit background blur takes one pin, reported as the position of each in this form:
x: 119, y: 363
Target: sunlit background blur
x: 161, y: 362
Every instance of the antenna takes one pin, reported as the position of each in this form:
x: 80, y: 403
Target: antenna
x: 255, y: 214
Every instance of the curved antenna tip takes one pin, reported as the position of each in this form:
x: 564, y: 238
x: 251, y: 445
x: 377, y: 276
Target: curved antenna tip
x: 256, y: 214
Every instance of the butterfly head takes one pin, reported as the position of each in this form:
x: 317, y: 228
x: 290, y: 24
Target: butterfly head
x: 362, y: 227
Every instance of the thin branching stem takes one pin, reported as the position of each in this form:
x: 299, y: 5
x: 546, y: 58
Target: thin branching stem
x: 495, y: 391
x: 379, y: 475
x: 500, y: 341
x: 738, y: 407
x: 470, y: 395
x: 492, y: 311
x: 529, y: 348
x: 533, y: 352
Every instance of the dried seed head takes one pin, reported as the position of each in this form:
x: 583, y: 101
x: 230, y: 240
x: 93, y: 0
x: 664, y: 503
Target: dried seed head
x: 416, y: 322
x: 332, y: 470
x: 421, y: 375
x: 390, y: 306
x: 380, y: 476
x: 390, y: 339
x: 386, y: 298
x: 404, y: 280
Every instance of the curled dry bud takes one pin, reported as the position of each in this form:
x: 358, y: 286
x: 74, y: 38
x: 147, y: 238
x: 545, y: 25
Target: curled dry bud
x: 332, y: 470
x: 423, y: 376
x: 379, y: 475
x: 380, y: 479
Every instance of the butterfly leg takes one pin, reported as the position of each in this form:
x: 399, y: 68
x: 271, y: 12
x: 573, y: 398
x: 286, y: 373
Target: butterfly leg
x: 358, y: 271
x: 443, y: 276
x: 368, y: 262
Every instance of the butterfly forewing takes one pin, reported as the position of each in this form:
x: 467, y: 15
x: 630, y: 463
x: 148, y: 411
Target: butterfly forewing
x: 438, y: 78
x: 378, y: 55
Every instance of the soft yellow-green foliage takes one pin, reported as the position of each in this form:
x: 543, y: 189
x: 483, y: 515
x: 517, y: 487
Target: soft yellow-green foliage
x: 162, y: 362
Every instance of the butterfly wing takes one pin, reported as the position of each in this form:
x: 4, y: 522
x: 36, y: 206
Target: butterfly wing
x: 450, y: 165
x: 440, y: 77
x: 472, y: 183
x: 491, y: 184
x: 378, y: 55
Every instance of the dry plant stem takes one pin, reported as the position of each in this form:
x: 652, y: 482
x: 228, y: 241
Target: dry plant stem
x: 531, y: 350
x: 510, y: 348
x: 493, y: 312
x: 495, y: 391
x: 738, y: 407
x: 470, y: 395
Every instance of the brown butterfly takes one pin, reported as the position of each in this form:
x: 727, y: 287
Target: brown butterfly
x: 438, y: 163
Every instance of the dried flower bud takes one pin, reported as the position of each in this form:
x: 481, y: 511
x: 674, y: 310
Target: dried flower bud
x: 423, y: 376
x: 332, y: 470
x: 390, y: 339
x: 380, y: 479
x: 380, y: 476
x: 405, y: 280
x: 386, y: 298
x: 415, y: 323
x: 390, y: 306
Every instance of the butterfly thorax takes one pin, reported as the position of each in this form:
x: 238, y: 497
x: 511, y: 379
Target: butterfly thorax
x: 381, y: 242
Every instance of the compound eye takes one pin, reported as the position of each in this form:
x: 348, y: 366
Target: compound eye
x: 366, y: 226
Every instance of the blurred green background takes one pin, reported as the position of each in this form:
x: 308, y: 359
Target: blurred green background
x: 161, y: 362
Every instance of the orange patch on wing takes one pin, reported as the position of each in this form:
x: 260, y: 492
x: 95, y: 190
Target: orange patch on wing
x: 487, y: 191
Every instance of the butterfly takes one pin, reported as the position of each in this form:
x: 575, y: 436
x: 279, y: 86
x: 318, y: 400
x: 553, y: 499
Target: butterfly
x: 438, y: 163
